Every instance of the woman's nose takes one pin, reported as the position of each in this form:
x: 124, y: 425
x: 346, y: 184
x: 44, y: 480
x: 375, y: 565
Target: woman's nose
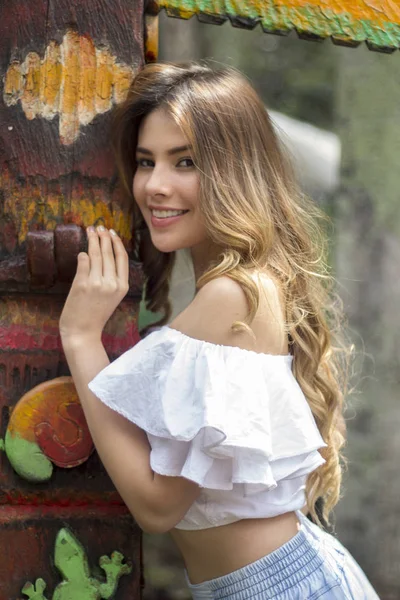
x: 158, y: 182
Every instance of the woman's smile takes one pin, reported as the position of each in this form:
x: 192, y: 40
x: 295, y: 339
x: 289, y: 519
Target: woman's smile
x: 166, y: 218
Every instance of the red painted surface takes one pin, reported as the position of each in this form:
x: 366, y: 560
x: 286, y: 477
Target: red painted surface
x: 85, y: 500
x: 31, y: 324
x: 63, y: 510
x: 16, y: 337
x: 67, y: 442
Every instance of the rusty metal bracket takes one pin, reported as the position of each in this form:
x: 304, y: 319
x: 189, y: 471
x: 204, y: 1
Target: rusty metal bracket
x: 69, y: 241
x: 50, y: 263
x: 40, y: 257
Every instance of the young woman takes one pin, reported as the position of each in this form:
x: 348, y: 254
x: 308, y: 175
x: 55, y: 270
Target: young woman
x: 221, y: 426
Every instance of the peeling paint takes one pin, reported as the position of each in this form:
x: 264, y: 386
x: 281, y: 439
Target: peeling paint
x: 75, y: 80
x: 50, y: 83
x: 20, y: 372
x: 32, y: 328
x: 346, y: 21
x: 24, y: 206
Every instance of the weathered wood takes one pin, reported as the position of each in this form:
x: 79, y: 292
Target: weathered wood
x: 63, y: 66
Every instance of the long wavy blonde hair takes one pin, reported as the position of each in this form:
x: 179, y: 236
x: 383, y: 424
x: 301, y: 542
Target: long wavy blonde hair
x: 253, y: 210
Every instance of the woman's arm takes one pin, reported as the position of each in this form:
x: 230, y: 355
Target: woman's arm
x: 157, y: 503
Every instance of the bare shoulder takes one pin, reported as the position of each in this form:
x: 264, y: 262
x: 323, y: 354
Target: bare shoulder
x: 221, y: 302
x: 210, y: 315
x: 223, y: 291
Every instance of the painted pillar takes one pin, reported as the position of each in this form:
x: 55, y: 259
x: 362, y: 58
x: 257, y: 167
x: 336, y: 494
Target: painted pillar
x: 64, y: 531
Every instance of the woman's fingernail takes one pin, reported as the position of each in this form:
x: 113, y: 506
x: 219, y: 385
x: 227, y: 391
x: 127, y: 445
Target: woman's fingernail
x: 113, y: 232
x: 101, y: 228
x: 90, y: 229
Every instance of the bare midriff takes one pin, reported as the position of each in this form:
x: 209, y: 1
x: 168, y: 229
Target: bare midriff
x: 217, y: 551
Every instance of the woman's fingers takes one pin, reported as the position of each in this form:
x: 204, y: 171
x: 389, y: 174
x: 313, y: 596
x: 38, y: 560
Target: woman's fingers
x: 109, y: 272
x: 94, y: 251
x: 121, y: 260
x: 83, y: 270
x: 108, y: 258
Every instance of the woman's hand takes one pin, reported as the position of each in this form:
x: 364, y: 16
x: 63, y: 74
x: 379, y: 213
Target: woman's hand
x: 100, y: 283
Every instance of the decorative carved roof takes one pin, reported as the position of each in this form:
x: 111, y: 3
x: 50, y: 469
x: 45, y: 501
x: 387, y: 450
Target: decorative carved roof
x: 346, y: 22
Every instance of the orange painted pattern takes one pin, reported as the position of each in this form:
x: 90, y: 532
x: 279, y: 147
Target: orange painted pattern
x: 75, y: 80
x: 24, y: 204
x: 376, y: 22
x: 373, y: 10
x: 37, y: 404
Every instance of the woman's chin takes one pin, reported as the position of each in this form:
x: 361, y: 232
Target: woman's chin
x: 165, y: 246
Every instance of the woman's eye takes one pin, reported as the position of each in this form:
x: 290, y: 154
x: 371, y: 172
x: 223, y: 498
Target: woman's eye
x: 191, y: 163
x: 145, y: 162
x: 140, y: 161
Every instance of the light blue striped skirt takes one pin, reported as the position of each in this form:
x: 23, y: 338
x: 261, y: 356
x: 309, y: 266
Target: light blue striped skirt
x: 312, y: 565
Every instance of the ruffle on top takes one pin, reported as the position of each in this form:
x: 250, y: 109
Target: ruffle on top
x: 217, y: 415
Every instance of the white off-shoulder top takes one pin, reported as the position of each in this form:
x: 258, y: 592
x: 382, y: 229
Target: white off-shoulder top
x: 234, y: 421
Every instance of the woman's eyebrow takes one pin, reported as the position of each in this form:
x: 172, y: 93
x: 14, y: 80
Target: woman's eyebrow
x: 169, y: 152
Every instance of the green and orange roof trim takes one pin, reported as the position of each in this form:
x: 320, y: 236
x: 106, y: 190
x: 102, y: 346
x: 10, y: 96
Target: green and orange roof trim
x: 346, y: 22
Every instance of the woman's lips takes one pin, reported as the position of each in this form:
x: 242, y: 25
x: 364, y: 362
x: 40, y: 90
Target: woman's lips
x: 165, y: 221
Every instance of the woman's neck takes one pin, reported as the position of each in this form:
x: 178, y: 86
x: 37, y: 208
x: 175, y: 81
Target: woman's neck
x: 202, y: 256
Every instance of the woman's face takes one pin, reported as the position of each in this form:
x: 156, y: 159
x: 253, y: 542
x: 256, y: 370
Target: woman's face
x: 167, y: 180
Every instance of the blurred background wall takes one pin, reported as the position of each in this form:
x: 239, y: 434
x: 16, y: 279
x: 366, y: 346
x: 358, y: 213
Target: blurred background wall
x: 338, y: 111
